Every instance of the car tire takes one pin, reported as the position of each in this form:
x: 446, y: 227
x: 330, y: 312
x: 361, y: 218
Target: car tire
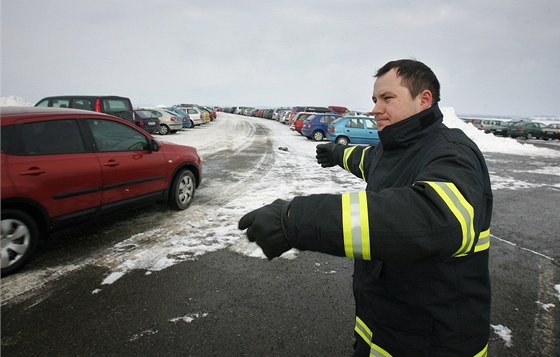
x: 164, y: 130
x: 182, y: 190
x: 318, y: 135
x: 529, y: 136
x: 20, y: 237
x: 342, y: 140
x: 192, y: 124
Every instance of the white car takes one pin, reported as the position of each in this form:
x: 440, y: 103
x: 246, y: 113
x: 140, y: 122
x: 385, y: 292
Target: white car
x: 169, y: 122
x: 196, y: 115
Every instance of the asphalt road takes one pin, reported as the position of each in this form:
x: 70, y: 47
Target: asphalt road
x: 227, y: 303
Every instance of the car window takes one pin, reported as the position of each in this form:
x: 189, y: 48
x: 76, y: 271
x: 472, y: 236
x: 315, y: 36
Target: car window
x: 355, y: 123
x: 43, y: 103
x: 156, y: 113
x: 371, y: 124
x: 114, y: 136
x: 61, y: 103
x: 116, y: 105
x: 82, y: 104
x: 48, y: 138
x: 145, y: 114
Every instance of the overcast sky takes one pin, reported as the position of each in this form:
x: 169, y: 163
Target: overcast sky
x: 495, y: 57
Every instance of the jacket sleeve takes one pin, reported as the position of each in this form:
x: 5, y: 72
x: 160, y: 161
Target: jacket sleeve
x: 354, y: 159
x: 439, y: 216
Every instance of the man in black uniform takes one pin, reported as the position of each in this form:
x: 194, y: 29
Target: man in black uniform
x: 418, y: 234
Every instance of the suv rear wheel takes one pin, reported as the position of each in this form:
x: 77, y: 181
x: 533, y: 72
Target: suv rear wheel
x: 182, y: 190
x: 19, y: 237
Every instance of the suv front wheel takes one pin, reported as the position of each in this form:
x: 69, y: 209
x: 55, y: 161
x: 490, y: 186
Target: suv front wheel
x: 182, y: 190
x: 19, y: 237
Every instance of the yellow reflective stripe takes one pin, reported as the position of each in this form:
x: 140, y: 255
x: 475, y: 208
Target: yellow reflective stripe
x: 364, y: 332
x: 362, y: 162
x: 483, y: 241
x: 355, y: 225
x: 483, y: 353
x: 347, y: 226
x: 347, y: 153
x: 377, y: 351
x: 461, y: 209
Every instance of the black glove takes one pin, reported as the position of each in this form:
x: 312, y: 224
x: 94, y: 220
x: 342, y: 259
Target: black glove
x: 325, y: 155
x: 268, y: 227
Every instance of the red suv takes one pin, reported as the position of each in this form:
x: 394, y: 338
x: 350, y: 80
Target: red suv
x: 62, y: 167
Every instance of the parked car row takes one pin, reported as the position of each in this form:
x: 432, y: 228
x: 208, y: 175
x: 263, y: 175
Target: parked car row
x: 335, y: 123
x: 527, y: 129
x: 75, y: 159
x: 155, y: 120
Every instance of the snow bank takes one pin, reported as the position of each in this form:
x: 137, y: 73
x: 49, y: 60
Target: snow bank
x: 490, y: 142
x: 13, y: 101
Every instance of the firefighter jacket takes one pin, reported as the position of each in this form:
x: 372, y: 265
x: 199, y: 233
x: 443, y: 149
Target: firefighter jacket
x: 419, y: 237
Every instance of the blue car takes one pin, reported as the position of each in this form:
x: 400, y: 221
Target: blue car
x: 354, y: 130
x: 316, y: 126
x: 185, y: 119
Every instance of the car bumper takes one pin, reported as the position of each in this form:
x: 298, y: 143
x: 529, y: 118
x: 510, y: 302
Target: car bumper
x: 551, y: 135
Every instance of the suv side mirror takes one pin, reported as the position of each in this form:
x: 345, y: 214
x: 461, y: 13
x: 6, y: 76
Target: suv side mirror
x: 154, y: 145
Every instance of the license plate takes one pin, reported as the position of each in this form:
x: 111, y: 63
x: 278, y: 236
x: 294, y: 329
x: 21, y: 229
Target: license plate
x: 151, y: 123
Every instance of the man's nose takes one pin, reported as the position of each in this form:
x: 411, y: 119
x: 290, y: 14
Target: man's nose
x: 376, y: 108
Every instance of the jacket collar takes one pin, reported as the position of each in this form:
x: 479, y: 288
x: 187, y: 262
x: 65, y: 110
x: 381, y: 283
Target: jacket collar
x: 408, y: 131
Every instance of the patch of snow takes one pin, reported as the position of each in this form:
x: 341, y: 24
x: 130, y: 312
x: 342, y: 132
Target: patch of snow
x: 546, y: 307
x: 142, y: 334
x: 112, y: 278
x: 188, y: 318
x: 504, y: 333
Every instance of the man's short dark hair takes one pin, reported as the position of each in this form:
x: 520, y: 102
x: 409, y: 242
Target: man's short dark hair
x: 415, y: 76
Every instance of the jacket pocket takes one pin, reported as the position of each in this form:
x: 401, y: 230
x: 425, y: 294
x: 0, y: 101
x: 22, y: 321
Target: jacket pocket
x: 401, y: 330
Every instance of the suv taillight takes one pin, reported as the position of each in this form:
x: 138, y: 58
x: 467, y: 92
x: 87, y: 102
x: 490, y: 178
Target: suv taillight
x: 98, y: 105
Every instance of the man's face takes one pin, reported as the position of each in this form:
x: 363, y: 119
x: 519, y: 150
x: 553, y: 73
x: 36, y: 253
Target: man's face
x: 393, y: 101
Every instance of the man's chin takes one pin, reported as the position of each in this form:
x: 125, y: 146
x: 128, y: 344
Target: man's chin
x: 381, y: 125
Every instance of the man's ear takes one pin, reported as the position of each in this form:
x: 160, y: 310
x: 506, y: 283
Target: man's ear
x: 425, y: 99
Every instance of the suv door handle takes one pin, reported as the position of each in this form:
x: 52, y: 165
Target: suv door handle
x: 32, y: 171
x: 111, y: 163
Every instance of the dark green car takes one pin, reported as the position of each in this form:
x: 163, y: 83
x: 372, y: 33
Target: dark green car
x: 525, y: 129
